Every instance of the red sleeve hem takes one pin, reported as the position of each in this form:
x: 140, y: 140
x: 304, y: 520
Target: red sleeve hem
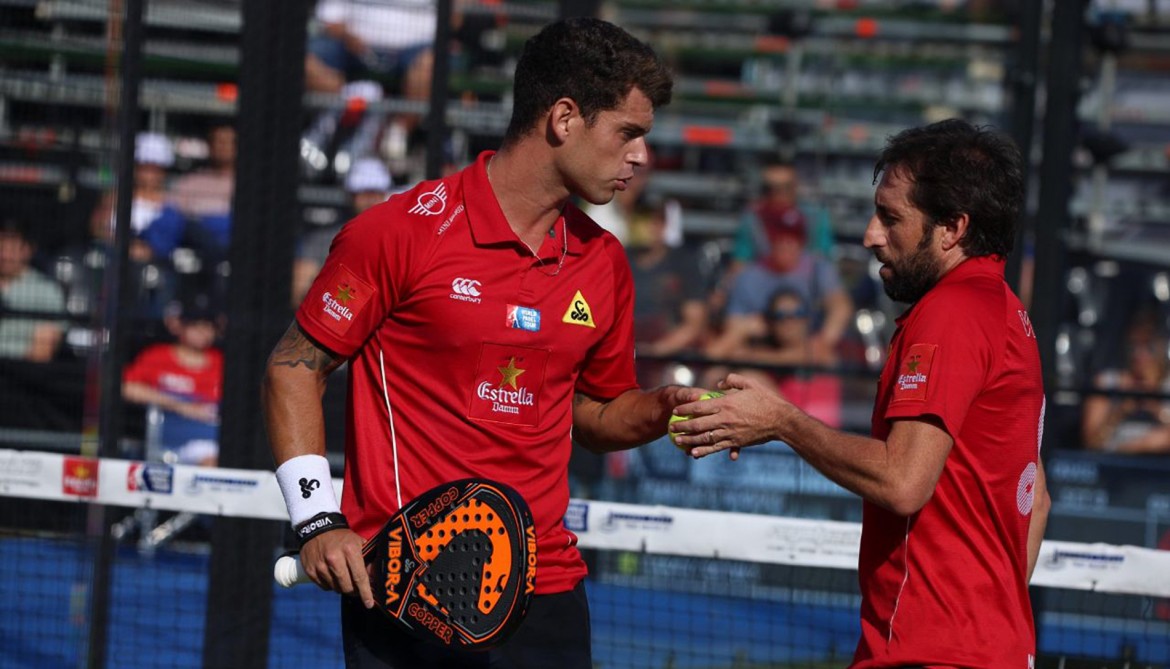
x: 323, y: 338
x: 605, y: 392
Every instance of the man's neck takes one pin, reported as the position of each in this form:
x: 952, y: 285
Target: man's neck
x: 531, y: 196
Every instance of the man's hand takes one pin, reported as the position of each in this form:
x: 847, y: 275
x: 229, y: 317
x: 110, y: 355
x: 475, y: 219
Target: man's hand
x: 747, y: 415
x: 333, y: 561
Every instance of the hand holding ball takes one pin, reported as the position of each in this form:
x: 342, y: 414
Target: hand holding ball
x: 674, y: 419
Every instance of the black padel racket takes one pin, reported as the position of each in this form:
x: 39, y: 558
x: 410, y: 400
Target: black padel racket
x: 456, y: 566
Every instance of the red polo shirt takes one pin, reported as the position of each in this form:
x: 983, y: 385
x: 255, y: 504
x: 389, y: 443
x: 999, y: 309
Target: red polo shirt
x: 946, y: 586
x: 481, y: 346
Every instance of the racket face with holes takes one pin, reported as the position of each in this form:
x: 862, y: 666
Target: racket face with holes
x: 457, y: 565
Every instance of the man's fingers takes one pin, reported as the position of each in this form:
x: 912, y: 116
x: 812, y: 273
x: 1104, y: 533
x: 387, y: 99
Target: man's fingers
x: 339, y: 571
x: 361, y: 578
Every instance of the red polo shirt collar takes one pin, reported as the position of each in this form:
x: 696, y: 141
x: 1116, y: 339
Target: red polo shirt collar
x: 489, y: 226
x: 971, y: 267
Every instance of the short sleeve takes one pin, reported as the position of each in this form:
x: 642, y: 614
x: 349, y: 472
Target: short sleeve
x: 609, y: 369
x: 142, y: 368
x: 945, y: 359
x: 360, y: 282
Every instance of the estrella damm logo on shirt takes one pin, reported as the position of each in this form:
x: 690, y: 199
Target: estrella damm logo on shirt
x: 342, y: 298
x: 914, y: 373
x: 578, y: 312
x: 508, y: 383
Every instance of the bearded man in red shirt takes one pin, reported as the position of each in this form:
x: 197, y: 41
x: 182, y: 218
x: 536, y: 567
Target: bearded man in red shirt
x: 955, y: 501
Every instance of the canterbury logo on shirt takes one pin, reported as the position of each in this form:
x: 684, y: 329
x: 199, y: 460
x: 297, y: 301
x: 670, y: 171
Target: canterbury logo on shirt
x: 465, y: 290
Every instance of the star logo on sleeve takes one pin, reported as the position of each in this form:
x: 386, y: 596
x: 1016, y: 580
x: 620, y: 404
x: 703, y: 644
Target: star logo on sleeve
x: 510, y: 373
x: 912, y: 364
x: 912, y: 383
x: 345, y: 293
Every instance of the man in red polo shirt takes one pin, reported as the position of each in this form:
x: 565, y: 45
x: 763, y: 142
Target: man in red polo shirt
x: 487, y: 323
x: 955, y: 498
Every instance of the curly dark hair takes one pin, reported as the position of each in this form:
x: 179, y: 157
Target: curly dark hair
x: 959, y: 168
x: 592, y: 62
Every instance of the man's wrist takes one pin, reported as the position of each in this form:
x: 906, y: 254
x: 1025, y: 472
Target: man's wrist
x: 320, y: 524
x: 307, y: 486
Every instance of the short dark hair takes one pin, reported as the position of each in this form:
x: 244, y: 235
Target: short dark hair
x: 14, y: 226
x: 959, y: 168
x: 592, y: 62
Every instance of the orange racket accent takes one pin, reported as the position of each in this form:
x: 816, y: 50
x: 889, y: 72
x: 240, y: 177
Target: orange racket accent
x: 474, y: 515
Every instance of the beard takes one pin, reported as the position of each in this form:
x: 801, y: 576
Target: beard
x: 910, y: 278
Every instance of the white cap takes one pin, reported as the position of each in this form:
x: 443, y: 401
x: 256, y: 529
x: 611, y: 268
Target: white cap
x: 153, y: 149
x: 368, y: 174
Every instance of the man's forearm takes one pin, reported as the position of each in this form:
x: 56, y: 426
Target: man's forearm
x: 293, y: 416
x: 899, y: 474
x: 628, y: 420
x: 293, y: 387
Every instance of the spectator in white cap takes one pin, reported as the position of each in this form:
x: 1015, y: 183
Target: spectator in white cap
x: 153, y: 156
x: 368, y: 183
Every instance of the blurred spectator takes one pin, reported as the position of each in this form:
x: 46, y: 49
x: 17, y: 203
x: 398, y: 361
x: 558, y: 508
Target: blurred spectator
x: 787, y: 266
x: 204, y: 198
x: 363, y: 39
x: 781, y: 186
x: 386, y: 41
x: 786, y: 342
x: 368, y: 184
x: 670, y: 314
x: 153, y: 156
x: 184, y: 380
x: 1133, y: 424
x: 81, y: 269
x: 25, y: 293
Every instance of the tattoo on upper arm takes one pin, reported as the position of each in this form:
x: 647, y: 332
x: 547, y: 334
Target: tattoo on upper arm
x: 295, y: 349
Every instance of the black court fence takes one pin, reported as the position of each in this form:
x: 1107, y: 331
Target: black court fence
x: 169, y: 168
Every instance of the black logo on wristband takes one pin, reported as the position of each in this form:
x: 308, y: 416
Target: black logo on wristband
x: 319, y: 524
x: 308, y: 486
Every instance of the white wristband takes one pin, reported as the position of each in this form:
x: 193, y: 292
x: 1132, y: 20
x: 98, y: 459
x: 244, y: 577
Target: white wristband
x: 307, y: 486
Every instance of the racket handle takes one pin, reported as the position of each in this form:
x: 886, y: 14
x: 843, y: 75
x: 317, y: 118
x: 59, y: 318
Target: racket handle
x: 289, y: 572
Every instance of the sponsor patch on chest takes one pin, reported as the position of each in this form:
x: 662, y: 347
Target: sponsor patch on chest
x: 914, y: 372
x: 507, y: 384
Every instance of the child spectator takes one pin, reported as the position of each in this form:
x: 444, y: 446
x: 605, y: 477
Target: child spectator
x: 184, y: 380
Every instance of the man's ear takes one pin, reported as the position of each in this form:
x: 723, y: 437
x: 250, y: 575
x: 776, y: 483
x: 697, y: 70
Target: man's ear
x: 561, y: 118
x: 953, y: 231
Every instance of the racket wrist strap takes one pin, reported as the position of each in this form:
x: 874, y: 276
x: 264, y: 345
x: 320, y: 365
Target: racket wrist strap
x: 320, y: 524
x: 307, y: 486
